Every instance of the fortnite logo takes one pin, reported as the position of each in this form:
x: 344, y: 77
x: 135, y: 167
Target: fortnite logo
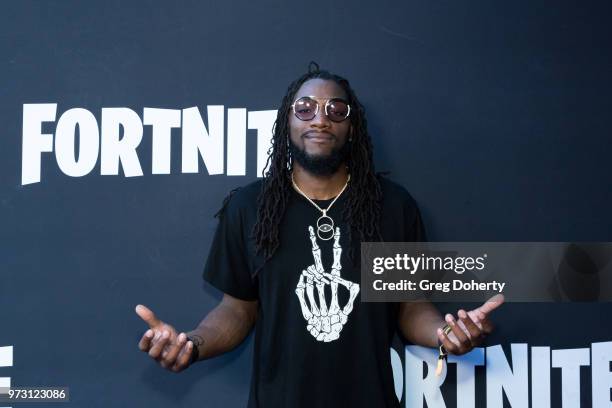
x: 6, y: 360
x: 120, y: 132
x: 503, y: 378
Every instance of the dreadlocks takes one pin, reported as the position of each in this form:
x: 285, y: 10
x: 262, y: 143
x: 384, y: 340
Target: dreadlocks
x: 362, y: 210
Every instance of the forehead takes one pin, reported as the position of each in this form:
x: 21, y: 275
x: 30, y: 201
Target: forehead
x: 321, y: 88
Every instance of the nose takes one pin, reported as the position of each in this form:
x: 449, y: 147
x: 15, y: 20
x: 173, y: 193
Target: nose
x: 320, y: 120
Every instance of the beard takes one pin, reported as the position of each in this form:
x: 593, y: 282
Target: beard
x: 320, y: 165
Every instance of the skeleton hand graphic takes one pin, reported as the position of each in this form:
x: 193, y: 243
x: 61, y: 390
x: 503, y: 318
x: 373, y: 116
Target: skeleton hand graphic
x: 325, y: 324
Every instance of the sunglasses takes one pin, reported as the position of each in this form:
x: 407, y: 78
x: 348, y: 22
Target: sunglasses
x: 306, y: 108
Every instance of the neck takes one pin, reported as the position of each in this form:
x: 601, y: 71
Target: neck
x: 320, y: 187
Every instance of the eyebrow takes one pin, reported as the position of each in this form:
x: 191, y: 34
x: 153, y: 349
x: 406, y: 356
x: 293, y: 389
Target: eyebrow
x: 319, y: 97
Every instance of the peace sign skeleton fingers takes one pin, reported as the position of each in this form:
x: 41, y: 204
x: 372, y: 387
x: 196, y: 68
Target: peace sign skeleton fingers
x: 324, y: 323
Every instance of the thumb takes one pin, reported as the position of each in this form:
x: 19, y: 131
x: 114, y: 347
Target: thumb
x: 492, y: 304
x: 148, y: 316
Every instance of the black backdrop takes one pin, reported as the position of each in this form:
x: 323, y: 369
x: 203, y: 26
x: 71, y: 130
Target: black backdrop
x: 494, y: 115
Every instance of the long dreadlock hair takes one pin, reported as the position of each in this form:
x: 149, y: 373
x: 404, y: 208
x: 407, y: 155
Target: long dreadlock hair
x: 363, y: 204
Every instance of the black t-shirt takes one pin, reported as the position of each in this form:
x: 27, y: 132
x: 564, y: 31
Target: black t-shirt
x: 307, y: 354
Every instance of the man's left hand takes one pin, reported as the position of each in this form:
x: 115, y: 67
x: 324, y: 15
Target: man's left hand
x: 470, y: 329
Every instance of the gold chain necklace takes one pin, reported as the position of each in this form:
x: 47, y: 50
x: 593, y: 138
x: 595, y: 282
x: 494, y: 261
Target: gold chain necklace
x: 323, y: 227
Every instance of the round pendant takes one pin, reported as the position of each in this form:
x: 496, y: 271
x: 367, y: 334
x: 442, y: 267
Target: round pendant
x: 325, y: 227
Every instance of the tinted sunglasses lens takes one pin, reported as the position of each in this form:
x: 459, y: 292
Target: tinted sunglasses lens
x: 305, y: 108
x: 337, y: 110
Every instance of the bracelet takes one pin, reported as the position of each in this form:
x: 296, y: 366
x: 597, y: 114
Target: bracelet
x: 195, y: 351
x: 443, y: 353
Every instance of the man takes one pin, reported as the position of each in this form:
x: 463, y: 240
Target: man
x: 285, y: 256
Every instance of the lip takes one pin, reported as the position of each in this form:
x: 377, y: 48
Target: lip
x: 318, y: 136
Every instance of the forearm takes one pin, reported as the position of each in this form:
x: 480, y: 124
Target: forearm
x: 220, y: 331
x: 419, y: 321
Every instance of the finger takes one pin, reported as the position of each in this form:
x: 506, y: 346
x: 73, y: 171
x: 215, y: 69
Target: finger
x: 447, y: 343
x: 313, y: 240
x: 337, y: 247
x: 477, y: 317
x: 168, y: 344
x: 148, y: 316
x: 157, y: 335
x: 473, y: 330
x: 145, y: 341
x: 462, y: 339
x: 316, y: 275
x: 184, y: 357
x: 172, y: 338
x: 159, y: 345
x: 174, y: 350
x: 487, y: 326
x: 492, y: 304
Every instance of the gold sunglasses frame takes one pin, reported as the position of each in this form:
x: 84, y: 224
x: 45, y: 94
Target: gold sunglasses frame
x: 348, y: 113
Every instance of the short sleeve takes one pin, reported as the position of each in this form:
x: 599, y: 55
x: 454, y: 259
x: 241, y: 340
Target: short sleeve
x: 227, y: 266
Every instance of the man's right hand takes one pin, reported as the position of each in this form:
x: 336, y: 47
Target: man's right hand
x: 169, y: 348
